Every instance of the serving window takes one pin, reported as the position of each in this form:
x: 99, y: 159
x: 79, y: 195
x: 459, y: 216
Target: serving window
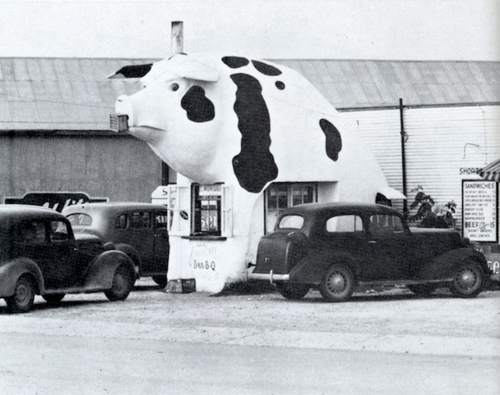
x: 207, y: 202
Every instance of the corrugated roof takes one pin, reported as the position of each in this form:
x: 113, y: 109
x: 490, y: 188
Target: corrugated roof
x: 75, y: 94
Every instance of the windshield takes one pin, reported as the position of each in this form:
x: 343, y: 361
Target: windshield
x: 80, y: 219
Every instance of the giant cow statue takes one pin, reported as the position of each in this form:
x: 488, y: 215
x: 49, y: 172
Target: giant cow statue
x: 245, y: 123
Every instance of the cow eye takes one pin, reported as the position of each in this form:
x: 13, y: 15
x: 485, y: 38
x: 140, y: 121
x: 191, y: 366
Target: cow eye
x: 174, y: 87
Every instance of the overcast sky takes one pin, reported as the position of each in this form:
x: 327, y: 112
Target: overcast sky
x: 337, y: 29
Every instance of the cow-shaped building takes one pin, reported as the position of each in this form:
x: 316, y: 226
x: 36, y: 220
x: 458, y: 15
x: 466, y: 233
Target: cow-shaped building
x: 250, y: 138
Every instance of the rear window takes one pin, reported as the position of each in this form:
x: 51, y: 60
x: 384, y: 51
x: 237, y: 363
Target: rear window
x: 291, y: 221
x: 80, y: 219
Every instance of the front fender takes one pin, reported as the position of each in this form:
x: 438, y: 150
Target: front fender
x: 133, y: 254
x: 10, y: 273
x: 310, y: 270
x: 101, y: 272
x: 442, y: 266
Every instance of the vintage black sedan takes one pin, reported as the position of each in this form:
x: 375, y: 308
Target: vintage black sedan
x: 339, y: 246
x: 39, y: 254
x: 137, y: 229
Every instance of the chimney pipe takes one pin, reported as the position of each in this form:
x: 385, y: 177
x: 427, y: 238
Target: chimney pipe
x: 177, y: 37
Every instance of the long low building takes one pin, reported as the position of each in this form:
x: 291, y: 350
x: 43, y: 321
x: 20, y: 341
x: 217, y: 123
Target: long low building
x: 430, y: 124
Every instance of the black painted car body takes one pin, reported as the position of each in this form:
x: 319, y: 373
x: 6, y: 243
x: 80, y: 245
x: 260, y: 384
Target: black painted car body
x: 338, y: 246
x: 137, y: 229
x: 39, y: 254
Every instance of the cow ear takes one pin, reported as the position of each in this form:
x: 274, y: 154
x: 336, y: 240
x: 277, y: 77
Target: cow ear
x: 132, y: 71
x: 186, y: 67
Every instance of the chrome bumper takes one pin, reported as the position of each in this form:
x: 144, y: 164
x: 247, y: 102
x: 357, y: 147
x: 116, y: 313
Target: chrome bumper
x: 268, y: 276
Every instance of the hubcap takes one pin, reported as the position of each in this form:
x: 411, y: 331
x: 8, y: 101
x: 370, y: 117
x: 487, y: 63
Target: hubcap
x: 119, y: 282
x: 337, y: 282
x: 22, y: 294
x: 466, y: 279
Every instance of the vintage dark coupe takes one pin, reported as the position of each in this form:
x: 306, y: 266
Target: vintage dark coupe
x: 39, y: 254
x: 338, y: 246
x: 137, y: 229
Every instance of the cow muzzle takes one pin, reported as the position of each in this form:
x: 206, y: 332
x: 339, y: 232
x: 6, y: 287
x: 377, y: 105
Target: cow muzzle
x: 123, y: 117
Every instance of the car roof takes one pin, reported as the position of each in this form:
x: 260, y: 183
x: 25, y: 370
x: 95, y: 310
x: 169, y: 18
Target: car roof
x: 340, y: 207
x: 20, y: 211
x: 111, y: 207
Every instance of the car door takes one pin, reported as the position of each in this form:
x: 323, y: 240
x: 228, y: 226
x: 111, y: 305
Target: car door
x: 344, y: 235
x: 64, y: 269
x: 388, y: 243
x: 141, y: 236
x: 161, y: 244
x: 36, y: 239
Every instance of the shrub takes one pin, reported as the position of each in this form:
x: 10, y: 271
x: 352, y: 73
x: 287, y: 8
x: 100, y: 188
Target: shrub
x: 429, y: 214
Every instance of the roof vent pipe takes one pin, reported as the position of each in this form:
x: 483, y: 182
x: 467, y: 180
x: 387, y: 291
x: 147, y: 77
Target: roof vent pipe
x: 177, y: 38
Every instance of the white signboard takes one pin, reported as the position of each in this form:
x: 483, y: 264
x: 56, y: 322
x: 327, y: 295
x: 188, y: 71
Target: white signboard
x: 480, y: 210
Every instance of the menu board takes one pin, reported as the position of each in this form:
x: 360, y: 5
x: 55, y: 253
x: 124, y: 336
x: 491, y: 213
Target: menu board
x: 480, y: 210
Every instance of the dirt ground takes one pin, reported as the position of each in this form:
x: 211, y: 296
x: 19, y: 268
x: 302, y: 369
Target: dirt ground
x: 391, y: 312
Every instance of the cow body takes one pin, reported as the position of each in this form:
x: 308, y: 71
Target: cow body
x: 247, y: 123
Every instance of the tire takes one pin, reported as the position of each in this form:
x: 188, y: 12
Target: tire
x: 468, y: 280
x: 24, y: 296
x: 123, y: 282
x: 53, y: 298
x: 293, y: 291
x: 422, y: 289
x: 160, y: 280
x: 337, y: 284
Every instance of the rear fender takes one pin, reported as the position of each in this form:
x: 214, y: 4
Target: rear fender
x: 310, y: 270
x: 10, y: 273
x: 442, y: 266
x: 101, y: 272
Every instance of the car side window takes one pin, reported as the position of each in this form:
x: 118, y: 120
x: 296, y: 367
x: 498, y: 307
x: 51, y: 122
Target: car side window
x: 58, y: 231
x: 121, y: 222
x: 344, y: 224
x: 140, y: 220
x: 161, y: 220
x: 385, y: 225
x: 32, y: 233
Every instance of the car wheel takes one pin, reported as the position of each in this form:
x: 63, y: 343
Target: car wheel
x: 160, y: 280
x: 422, y: 289
x: 53, y: 298
x: 467, y: 281
x: 337, y: 284
x: 24, y: 295
x: 293, y: 291
x: 123, y: 282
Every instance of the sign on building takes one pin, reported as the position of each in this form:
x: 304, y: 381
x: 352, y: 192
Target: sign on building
x: 54, y: 200
x: 480, y: 210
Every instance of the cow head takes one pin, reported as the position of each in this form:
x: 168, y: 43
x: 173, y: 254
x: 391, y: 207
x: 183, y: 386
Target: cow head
x: 177, y: 113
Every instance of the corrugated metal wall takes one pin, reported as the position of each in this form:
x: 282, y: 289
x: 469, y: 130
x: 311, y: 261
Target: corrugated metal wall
x: 381, y: 131
x: 120, y: 168
x: 444, y: 145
